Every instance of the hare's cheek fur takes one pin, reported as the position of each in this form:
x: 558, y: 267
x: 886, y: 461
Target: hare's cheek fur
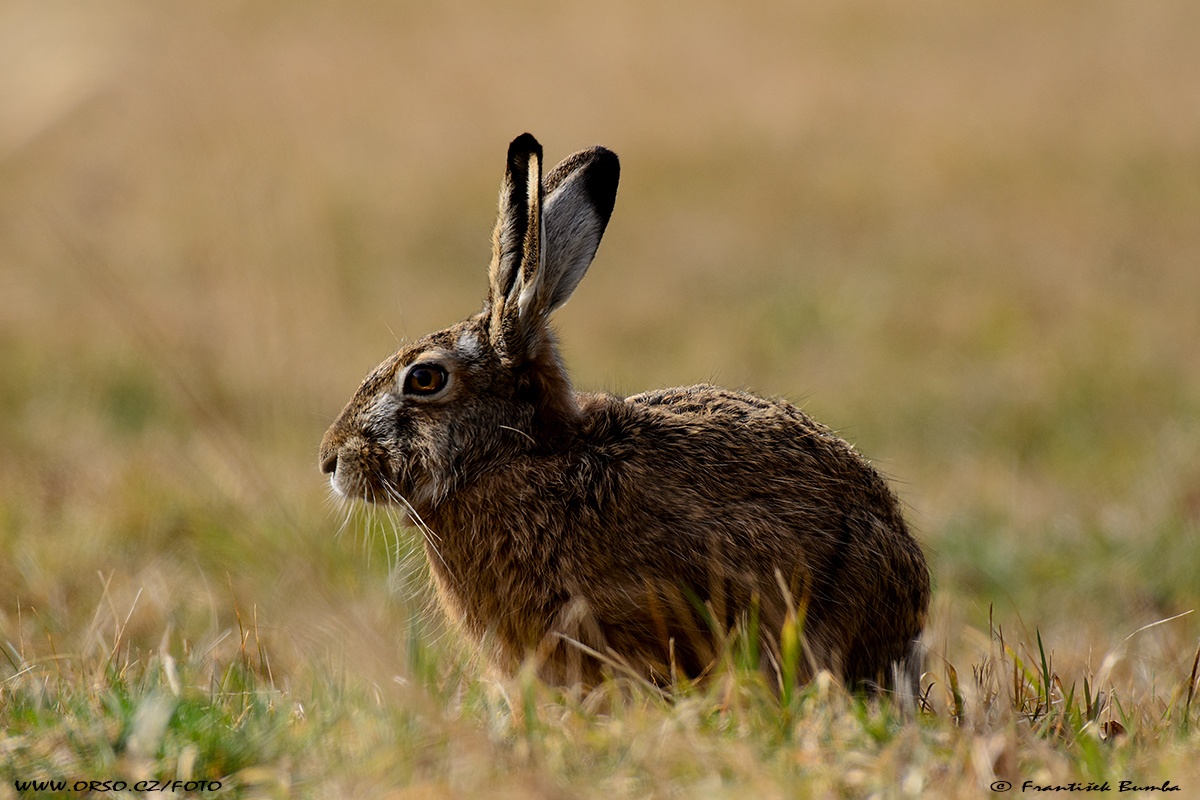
x: 361, y: 454
x: 395, y: 452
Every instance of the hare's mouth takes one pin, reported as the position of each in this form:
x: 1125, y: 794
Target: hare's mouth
x: 378, y: 487
x: 354, y: 481
x: 351, y: 486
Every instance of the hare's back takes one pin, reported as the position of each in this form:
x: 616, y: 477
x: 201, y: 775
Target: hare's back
x: 735, y: 446
x: 705, y: 401
x: 747, y: 422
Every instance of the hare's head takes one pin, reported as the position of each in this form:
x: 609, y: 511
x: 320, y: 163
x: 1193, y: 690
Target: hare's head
x: 451, y: 403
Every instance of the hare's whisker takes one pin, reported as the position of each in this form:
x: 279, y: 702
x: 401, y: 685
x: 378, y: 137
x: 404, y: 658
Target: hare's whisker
x: 518, y: 430
x: 428, y: 533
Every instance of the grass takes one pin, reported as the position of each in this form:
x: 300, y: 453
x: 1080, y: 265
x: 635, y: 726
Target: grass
x: 964, y: 237
x: 232, y: 709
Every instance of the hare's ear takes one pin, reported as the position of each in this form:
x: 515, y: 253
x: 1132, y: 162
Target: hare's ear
x: 579, y: 197
x: 541, y: 248
x: 516, y: 240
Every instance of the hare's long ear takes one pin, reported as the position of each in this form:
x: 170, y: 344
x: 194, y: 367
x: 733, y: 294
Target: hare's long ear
x: 543, y: 247
x: 516, y: 241
x: 579, y: 197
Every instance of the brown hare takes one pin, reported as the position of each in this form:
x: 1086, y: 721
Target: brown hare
x: 599, y: 534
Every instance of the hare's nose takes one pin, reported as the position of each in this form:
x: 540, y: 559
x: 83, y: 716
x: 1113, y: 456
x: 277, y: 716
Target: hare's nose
x: 329, y: 463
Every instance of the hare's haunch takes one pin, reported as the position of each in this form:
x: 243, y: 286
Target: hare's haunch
x: 597, y: 533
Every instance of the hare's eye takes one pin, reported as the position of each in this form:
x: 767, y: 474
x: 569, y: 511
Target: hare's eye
x: 425, y: 379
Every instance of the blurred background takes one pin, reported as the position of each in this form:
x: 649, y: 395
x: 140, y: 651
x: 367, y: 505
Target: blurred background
x: 966, y: 237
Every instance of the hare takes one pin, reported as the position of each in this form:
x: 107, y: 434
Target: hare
x: 597, y: 534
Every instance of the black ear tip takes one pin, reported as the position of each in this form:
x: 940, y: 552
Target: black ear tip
x: 603, y: 175
x: 606, y: 161
x: 522, y: 148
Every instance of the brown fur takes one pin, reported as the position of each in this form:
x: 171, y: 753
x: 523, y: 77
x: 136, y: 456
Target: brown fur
x: 588, y: 530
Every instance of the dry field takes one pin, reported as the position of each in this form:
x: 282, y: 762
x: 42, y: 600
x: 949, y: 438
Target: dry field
x: 967, y: 236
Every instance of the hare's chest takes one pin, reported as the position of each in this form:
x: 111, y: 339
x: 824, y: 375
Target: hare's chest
x: 496, y: 582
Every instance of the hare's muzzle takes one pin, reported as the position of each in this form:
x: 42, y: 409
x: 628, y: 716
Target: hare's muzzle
x: 329, y: 459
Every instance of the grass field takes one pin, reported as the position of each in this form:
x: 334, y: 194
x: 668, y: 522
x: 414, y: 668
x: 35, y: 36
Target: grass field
x: 967, y: 237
